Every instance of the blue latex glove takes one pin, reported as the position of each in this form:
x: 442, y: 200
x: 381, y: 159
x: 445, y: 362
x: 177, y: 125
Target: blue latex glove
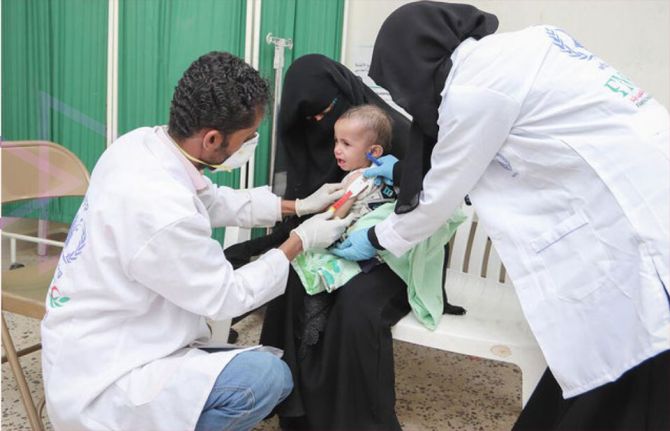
x: 384, y: 171
x: 356, y: 247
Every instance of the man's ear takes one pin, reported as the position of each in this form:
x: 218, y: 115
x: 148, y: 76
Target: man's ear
x: 377, y: 150
x: 212, y: 140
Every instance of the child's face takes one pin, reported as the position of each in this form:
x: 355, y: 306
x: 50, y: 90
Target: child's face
x: 352, y: 141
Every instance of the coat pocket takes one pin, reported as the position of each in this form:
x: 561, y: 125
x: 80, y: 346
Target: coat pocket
x: 574, y: 259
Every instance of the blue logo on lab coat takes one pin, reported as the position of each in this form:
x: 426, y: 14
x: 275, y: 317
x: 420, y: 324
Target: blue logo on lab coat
x: 568, y: 44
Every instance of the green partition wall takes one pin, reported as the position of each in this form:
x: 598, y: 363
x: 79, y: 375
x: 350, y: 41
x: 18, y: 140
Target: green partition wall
x: 158, y: 40
x: 54, y: 67
x: 54, y: 71
x: 315, y: 26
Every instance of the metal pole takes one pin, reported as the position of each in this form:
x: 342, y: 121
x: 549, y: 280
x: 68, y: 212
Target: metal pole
x: 278, y: 65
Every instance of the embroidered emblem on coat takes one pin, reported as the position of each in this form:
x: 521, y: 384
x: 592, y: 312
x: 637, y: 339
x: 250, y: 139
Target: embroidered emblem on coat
x: 74, y: 246
x: 568, y: 44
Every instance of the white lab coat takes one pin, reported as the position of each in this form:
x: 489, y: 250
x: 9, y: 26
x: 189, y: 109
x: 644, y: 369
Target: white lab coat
x: 566, y: 163
x: 137, y: 277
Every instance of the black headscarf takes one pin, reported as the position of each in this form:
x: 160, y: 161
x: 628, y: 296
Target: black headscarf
x: 312, y: 82
x: 411, y: 59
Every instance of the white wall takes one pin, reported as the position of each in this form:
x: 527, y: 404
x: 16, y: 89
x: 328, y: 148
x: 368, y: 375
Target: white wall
x: 631, y: 35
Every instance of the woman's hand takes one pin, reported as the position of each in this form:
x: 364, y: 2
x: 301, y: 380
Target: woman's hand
x: 356, y: 247
x: 383, y: 171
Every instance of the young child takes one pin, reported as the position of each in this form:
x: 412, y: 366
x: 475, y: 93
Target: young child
x: 362, y: 130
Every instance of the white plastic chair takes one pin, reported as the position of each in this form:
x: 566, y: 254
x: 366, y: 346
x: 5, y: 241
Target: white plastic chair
x: 494, y: 326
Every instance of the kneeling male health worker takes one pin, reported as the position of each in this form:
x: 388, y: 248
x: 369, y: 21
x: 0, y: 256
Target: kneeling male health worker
x: 125, y: 328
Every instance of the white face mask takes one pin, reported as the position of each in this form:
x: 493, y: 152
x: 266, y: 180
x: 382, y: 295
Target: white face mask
x: 239, y: 157
x: 236, y: 160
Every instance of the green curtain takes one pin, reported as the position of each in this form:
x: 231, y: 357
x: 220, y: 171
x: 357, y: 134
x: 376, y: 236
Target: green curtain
x: 158, y: 40
x: 315, y: 26
x: 54, y: 70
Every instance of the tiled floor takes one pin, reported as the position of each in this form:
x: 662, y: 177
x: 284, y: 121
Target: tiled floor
x: 435, y: 390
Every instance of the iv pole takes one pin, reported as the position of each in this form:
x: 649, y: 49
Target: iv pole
x: 278, y: 65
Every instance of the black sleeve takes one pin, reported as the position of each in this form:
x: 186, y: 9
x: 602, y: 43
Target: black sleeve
x: 240, y: 254
x: 372, y: 237
x: 397, y: 173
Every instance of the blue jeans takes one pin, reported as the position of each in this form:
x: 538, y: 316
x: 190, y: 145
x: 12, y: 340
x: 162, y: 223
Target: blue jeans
x: 245, y: 392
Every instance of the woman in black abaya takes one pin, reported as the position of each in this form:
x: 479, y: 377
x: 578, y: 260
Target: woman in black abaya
x: 339, y: 345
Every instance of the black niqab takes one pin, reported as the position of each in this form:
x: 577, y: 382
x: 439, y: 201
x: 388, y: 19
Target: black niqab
x: 412, y: 59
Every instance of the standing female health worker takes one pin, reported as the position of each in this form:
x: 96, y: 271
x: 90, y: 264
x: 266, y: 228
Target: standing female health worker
x: 566, y: 162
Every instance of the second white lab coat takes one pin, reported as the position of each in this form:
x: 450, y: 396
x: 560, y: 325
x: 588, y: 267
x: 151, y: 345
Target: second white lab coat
x: 566, y: 163
x: 137, y: 278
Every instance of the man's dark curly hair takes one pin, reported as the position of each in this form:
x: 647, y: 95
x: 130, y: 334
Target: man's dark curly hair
x: 218, y: 91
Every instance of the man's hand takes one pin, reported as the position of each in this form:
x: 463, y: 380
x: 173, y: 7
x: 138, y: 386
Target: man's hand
x: 319, y: 200
x: 356, y: 247
x: 321, y: 231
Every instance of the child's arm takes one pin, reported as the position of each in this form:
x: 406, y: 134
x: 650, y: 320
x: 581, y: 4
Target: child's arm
x: 342, y: 211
